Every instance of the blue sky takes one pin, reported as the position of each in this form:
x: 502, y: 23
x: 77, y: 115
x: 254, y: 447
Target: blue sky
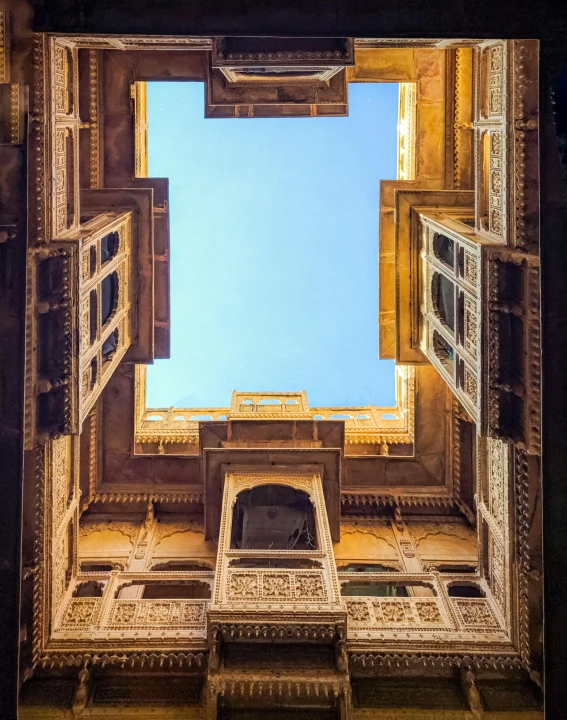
x: 274, y: 249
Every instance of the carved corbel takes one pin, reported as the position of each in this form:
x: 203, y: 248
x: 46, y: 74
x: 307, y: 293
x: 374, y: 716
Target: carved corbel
x: 341, y: 657
x: 398, y: 517
x: 214, y: 652
x: 81, y: 693
x: 470, y: 692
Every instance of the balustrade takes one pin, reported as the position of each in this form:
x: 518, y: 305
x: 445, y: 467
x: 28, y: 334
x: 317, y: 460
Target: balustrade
x: 110, y: 618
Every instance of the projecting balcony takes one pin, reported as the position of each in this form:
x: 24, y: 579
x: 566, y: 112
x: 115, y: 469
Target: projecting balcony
x: 112, y: 609
x: 276, y: 578
x: 427, y: 609
x: 480, y: 327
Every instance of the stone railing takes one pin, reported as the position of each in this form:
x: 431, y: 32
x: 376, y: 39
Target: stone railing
x: 267, y: 586
x: 110, y: 618
x: 365, y: 424
x: 428, y: 614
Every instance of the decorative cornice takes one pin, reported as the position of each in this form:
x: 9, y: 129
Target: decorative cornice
x: 130, y: 497
x: 360, y: 500
x: 3, y: 49
x: 156, y: 660
x: 370, y: 660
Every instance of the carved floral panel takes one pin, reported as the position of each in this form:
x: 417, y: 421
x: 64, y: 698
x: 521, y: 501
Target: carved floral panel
x: 81, y: 612
x: 157, y: 613
x: 475, y: 612
x: 389, y: 612
x: 277, y: 586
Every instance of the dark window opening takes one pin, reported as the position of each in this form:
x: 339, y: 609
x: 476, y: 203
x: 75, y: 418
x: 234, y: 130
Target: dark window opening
x: 373, y: 589
x: 50, y: 410
x: 465, y: 591
x: 273, y: 517
x: 92, y: 260
x: 287, y: 564
x: 366, y: 568
x: 175, y: 590
x: 94, y: 365
x: 93, y: 319
x: 443, y: 299
x: 443, y: 351
x: 51, y: 343
x: 50, y: 278
x: 109, y: 247
x: 109, y: 345
x: 96, y: 567
x: 109, y: 296
x: 180, y: 566
x: 456, y: 569
x: 444, y: 249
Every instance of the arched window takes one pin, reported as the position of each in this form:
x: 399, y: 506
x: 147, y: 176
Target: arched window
x: 443, y: 299
x: 443, y: 350
x: 109, y: 247
x: 110, y: 344
x: 465, y: 590
x: 273, y: 517
x: 109, y: 299
x: 444, y: 249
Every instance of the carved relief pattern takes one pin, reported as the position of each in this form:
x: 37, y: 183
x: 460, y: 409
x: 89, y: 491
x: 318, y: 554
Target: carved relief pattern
x: 496, y: 574
x: 309, y: 586
x: 471, y: 269
x: 497, y: 480
x: 157, y: 613
x: 269, y: 585
x: 80, y: 612
x: 243, y: 586
x: 129, y: 529
x: 60, y: 77
x: 495, y: 185
x: 3, y: 73
x: 358, y: 611
x: 471, y: 326
x: 471, y: 385
x: 59, y: 569
x: 475, y: 612
x: 388, y: 612
x: 60, y: 468
x: 277, y: 586
x: 60, y: 158
x: 495, y: 78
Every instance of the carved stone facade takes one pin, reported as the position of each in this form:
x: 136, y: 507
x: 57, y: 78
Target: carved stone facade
x: 411, y: 551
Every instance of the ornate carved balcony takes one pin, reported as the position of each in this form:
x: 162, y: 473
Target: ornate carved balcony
x: 480, y: 326
x: 111, y: 621
x: 266, y: 590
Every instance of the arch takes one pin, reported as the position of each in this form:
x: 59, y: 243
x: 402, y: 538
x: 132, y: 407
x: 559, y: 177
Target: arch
x: 443, y: 351
x: 109, y: 245
x: 464, y: 589
x: 444, y: 249
x: 110, y: 344
x: 273, y: 516
x: 443, y: 299
x: 109, y: 291
x: 90, y: 588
